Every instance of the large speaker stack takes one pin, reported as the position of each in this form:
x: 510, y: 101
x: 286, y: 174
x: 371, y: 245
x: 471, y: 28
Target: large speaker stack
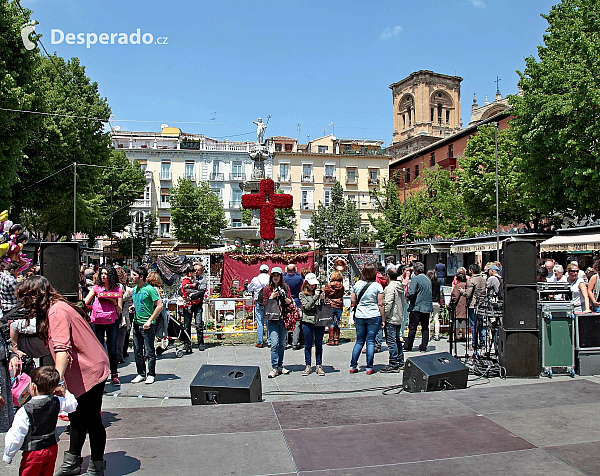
x: 60, y: 265
x: 519, y: 334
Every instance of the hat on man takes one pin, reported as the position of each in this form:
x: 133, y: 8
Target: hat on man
x: 276, y: 269
x: 494, y: 267
x: 264, y: 267
x: 311, y: 278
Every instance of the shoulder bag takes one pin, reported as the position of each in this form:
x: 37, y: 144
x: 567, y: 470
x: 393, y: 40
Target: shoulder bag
x: 324, y: 314
x: 359, y: 297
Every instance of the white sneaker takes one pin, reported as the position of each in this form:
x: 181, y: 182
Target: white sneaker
x: 283, y: 370
x: 150, y: 379
x: 273, y: 373
x: 138, y: 379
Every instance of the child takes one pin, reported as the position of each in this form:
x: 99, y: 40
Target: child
x: 34, y: 427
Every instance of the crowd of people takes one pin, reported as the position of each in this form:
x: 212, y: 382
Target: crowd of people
x: 80, y: 345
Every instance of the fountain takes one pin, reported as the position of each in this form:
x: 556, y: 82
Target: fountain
x: 259, y: 153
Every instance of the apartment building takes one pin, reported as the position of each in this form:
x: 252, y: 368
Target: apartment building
x: 171, y: 154
x: 309, y: 175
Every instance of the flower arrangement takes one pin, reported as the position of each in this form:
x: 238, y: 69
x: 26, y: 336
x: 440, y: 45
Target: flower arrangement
x: 266, y: 200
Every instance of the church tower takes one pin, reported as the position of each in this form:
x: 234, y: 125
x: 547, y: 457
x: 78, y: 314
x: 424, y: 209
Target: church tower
x: 426, y: 104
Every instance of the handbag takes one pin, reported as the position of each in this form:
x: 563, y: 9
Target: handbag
x: 272, y: 310
x: 19, y: 387
x: 324, y: 315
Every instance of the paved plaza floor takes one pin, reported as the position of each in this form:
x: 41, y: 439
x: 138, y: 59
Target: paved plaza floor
x: 342, y: 424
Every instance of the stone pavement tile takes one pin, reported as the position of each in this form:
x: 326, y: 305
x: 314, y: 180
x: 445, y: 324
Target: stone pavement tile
x: 545, y: 394
x: 371, y: 409
x: 569, y: 424
x: 190, y: 420
x: 583, y: 456
x: 525, y: 462
x: 441, y: 438
x: 235, y: 454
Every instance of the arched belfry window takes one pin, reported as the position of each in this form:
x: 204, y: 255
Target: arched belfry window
x: 406, y: 108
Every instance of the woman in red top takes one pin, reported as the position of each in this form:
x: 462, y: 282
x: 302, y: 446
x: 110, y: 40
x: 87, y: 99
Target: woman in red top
x: 81, y: 362
x: 190, y: 309
x: 108, y: 305
x: 334, y: 292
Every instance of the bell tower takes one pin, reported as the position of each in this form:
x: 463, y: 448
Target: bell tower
x: 426, y: 104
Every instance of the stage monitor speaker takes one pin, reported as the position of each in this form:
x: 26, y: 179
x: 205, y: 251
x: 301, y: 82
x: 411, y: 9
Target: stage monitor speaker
x: 431, y: 372
x: 588, y: 331
x: 60, y: 265
x: 226, y: 384
x: 518, y: 262
x: 519, y: 310
x: 519, y: 352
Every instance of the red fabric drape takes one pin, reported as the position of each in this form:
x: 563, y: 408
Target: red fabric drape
x: 233, y: 269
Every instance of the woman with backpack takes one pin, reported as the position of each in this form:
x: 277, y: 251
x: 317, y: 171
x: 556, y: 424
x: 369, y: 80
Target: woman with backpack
x: 276, y: 292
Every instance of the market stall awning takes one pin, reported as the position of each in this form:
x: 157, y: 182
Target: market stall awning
x: 474, y: 247
x: 580, y: 242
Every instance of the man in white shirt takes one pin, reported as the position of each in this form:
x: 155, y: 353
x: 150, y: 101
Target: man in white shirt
x: 256, y: 284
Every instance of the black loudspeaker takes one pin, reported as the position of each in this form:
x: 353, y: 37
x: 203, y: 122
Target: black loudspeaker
x: 60, y: 265
x: 226, y: 384
x: 519, y: 311
x: 518, y: 262
x: 519, y: 353
x: 588, y: 331
x: 428, y: 373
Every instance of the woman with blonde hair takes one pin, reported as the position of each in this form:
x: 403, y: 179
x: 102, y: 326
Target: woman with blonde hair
x: 334, y: 292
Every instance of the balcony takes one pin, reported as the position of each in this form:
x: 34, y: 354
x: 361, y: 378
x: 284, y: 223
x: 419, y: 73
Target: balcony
x: 237, y: 177
x: 191, y: 177
x: 284, y: 178
x: 216, y: 177
x: 166, y: 176
x: 164, y: 205
x: 352, y: 180
x: 148, y: 175
x: 373, y: 180
x: 307, y: 206
x: 235, y: 205
x: 329, y: 179
x: 142, y: 203
x: 308, y: 178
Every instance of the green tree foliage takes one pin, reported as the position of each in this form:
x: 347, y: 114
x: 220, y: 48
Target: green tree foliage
x: 196, y: 213
x: 558, y: 116
x: 18, y: 90
x: 440, y: 207
x: 342, y: 216
x: 143, y: 233
x: 246, y: 216
x: 477, y: 181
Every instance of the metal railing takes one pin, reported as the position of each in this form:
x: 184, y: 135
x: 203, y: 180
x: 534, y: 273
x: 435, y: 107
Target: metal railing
x: 352, y: 180
x: 308, y: 178
x: 237, y: 177
x: 216, y: 177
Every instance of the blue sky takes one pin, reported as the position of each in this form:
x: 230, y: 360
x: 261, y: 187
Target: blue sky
x: 303, y: 62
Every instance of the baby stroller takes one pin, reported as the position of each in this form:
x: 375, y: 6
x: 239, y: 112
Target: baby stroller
x: 176, y: 338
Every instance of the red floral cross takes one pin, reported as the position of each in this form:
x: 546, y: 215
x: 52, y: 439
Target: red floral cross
x: 267, y: 201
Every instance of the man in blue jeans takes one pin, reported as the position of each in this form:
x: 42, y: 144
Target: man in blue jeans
x: 256, y: 285
x: 147, y: 306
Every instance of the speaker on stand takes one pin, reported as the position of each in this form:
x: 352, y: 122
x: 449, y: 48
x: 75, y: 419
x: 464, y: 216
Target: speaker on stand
x: 519, y: 342
x: 60, y: 265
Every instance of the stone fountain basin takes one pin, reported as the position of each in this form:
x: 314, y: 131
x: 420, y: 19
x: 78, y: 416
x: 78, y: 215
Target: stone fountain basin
x: 252, y: 233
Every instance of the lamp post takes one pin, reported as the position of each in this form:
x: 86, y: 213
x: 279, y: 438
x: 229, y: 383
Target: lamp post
x: 329, y: 229
x: 496, y: 126
x: 404, y: 211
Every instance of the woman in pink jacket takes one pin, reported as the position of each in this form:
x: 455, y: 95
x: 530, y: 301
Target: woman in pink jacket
x: 81, y: 362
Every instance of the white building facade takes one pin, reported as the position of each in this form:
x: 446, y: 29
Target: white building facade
x: 170, y: 155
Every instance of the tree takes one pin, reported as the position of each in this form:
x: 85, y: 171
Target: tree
x: 477, y: 181
x: 18, y: 90
x: 557, y: 123
x: 61, y: 141
x: 342, y: 215
x: 196, y: 213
